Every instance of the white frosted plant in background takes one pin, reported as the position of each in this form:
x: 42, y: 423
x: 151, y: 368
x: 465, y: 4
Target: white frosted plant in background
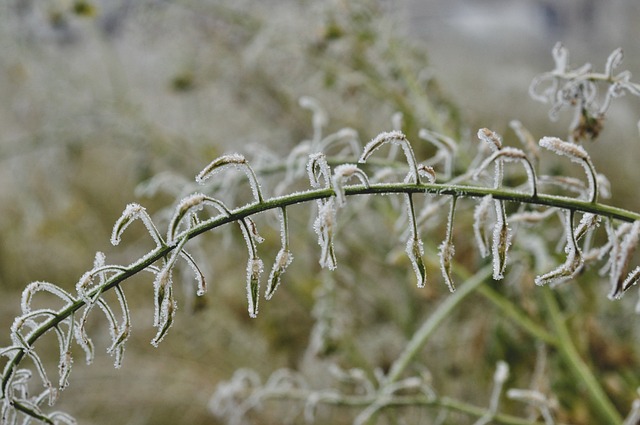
x: 495, y: 228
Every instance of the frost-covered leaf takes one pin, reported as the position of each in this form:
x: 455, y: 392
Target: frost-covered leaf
x: 131, y: 213
x: 344, y: 172
x: 447, y: 149
x: 394, y: 137
x: 40, y: 286
x: 620, y: 263
x: 447, y: 249
x: 501, y: 241
x: 324, y: 226
x: 255, y: 267
x: 491, y: 138
x: 575, y: 153
x: 481, y: 223
x: 319, y: 117
x: 283, y: 258
x: 190, y: 205
x: 234, y: 160
x: 318, y: 167
x: 573, y: 263
x: 509, y: 154
x: 528, y: 141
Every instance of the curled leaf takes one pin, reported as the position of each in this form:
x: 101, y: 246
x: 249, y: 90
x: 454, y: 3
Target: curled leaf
x: 344, y: 172
x: 131, y: 213
x: 235, y: 160
x: 394, y: 137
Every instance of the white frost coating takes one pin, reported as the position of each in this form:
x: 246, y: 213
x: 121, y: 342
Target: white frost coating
x: 526, y: 138
x: 415, y: 251
x: 319, y: 118
x: 572, y: 265
x: 589, y: 221
x: 613, y: 61
x: 620, y: 264
x: 397, y: 138
x: 255, y: 267
x: 283, y: 260
x: 164, y: 302
x: 493, y: 140
x: 499, y: 377
x: 480, y: 224
x: 200, y: 279
x: 575, y: 153
x: 40, y: 286
x: 253, y: 230
x: 509, y: 154
x: 632, y: 279
x: 132, y: 212
x: 634, y: 415
x: 447, y: 250
x: 446, y: 146
x: 428, y: 172
x: 446, y: 253
x: 348, y: 135
x: 344, y: 172
x: 189, y: 206
x: 536, y: 399
x: 235, y: 160
x: 324, y: 226
x: 501, y: 241
x: 317, y: 167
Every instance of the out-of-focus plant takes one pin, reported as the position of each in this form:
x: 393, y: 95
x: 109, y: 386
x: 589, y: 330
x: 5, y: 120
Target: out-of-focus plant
x: 332, y: 164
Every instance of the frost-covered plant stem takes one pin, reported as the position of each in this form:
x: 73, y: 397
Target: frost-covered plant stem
x: 283, y: 201
x: 602, y: 404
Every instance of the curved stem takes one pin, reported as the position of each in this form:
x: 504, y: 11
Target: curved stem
x: 301, y: 197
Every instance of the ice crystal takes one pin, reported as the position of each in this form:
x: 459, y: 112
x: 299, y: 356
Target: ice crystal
x: 527, y: 140
x: 620, y: 262
x: 394, y: 137
x: 573, y: 263
x: 235, y: 160
x: 324, y: 227
x: 576, y: 154
x: 255, y: 267
x: 317, y: 167
x: 344, y: 172
x: 446, y: 146
x: 283, y: 258
x: 480, y: 224
x: 447, y: 249
x: 501, y: 241
x: 493, y: 140
x: 132, y: 212
x: 509, y: 154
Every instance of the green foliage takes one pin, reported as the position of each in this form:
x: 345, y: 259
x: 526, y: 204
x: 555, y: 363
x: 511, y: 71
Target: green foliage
x: 379, y: 350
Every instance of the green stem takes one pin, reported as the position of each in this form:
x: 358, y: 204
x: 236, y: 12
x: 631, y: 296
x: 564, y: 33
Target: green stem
x: 601, y: 402
x: 421, y: 336
x: 301, y: 197
x: 517, y: 316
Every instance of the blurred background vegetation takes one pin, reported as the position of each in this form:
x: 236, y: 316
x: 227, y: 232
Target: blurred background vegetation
x: 100, y: 96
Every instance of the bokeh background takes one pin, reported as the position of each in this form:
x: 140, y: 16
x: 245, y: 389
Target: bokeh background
x: 100, y: 96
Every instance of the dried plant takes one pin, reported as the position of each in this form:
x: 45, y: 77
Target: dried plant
x: 333, y: 192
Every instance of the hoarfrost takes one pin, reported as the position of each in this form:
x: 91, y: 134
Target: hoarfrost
x: 255, y: 267
x: 344, y: 172
x: 501, y: 241
x: 235, y: 160
x: 394, y: 137
x: 574, y: 262
x: 576, y: 154
x: 480, y: 224
x: 132, y: 212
